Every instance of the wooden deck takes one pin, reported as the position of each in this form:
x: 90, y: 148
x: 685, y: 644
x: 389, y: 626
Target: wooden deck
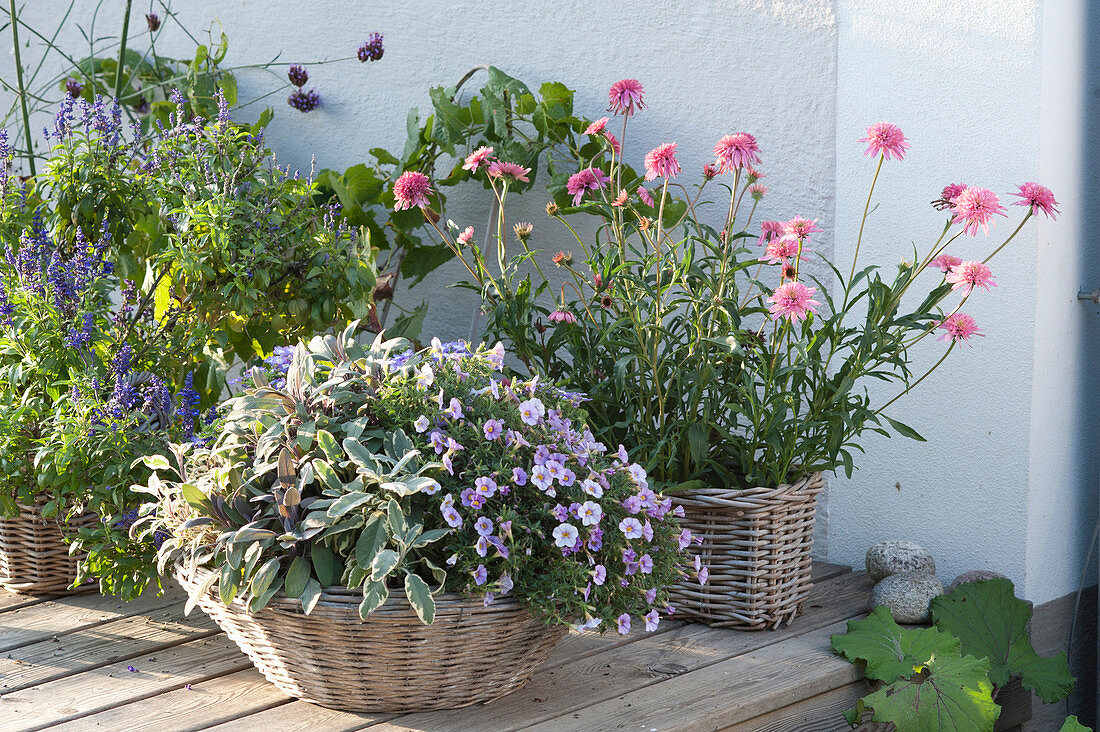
x: 65, y: 664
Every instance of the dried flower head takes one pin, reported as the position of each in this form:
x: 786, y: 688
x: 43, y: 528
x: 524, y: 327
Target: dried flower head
x: 73, y: 88
x: 523, y: 231
x: 372, y: 48
x: 304, y: 101
x: 153, y: 21
x: 606, y: 302
x: 297, y: 75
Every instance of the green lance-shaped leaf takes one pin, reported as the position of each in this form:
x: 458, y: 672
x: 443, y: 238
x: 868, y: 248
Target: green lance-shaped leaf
x: 890, y: 651
x: 991, y: 622
x: 371, y: 540
x: 396, y: 518
x: 347, y: 502
x: 384, y: 564
x: 297, y: 577
x: 310, y: 595
x: 420, y: 597
x: 949, y: 694
x: 324, y: 564
x: 375, y: 595
x: 264, y: 576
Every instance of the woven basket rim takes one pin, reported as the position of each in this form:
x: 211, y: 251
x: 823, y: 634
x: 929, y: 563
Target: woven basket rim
x: 339, y: 597
x: 811, y: 483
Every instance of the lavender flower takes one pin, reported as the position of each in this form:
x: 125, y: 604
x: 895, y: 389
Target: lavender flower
x: 372, y: 48
x: 189, y: 403
x: 304, y: 101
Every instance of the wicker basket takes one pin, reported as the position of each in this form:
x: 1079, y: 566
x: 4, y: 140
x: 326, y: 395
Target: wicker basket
x: 756, y: 546
x: 391, y: 662
x: 34, y: 556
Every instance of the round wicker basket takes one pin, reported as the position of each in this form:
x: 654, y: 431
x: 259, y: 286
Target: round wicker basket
x: 391, y: 662
x: 756, y: 544
x: 34, y: 556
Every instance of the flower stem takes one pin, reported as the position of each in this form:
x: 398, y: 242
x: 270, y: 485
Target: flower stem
x: 19, y: 81
x: 914, y: 384
x: 1010, y: 237
x: 122, y: 50
x: 863, y: 221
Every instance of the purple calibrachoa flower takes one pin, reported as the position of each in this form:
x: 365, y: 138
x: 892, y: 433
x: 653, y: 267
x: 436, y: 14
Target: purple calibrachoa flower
x: 529, y: 412
x: 650, y: 595
x: 454, y: 409
x: 541, y: 479
x: 421, y: 424
x: 599, y: 574
x: 685, y: 539
x: 452, y: 517
x: 480, y: 574
x: 645, y: 563
x: 592, y: 488
x: 438, y: 442
x: 560, y: 512
x: 590, y: 513
x: 492, y: 429
x: 624, y: 624
x: 651, y: 620
x: 519, y: 476
x: 565, y: 535
x: 485, y: 486
x: 631, y: 528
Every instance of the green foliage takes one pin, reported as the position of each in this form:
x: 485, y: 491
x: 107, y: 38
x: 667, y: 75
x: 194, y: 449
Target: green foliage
x: 1073, y: 725
x: 945, y: 677
x: 333, y: 478
x: 992, y: 623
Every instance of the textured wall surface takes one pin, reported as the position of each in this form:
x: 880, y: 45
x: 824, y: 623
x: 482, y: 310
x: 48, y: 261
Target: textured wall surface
x: 983, y: 89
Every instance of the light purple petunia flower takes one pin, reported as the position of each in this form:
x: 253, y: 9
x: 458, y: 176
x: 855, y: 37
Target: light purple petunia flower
x: 599, y: 574
x: 484, y: 526
x: 493, y: 429
x: 454, y: 409
x: 631, y: 528
x: 480, y: 574
x: 565, y: 535
x: 651, y: 620
x: 519, y: 476
x: 645, y: 563
x: 624, y: 624
x: 421, y: 424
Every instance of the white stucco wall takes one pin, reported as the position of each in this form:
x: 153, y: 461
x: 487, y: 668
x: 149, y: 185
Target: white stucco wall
x: 981, y: 90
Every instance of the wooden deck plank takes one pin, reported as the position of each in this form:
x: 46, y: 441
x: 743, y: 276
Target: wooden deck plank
x: 559, y: 690
x: 821, y: 713
x: 722, y: 694
x: 299, y: 716
x: 205, y: 704
x: 140, y: 636
x: 12, y: 600
x: 60, y: 616
x: 112, y: 685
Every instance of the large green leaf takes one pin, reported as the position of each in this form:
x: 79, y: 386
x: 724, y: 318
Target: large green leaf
x: 383, y: 565
x: 420, y: 597
x: 950, y: 694
x: 991, y: 622
x: 374, y: 595
x: 297, y: 577
x: 1073, y: 725
x: 890, y: 651
x: 371, y: 540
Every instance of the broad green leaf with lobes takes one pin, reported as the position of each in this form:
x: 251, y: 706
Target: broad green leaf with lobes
x: 890, y: 651
x: 991, y: 622
x: 951, y: 694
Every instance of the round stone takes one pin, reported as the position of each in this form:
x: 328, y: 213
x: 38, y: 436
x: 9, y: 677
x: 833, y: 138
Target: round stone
x: 895, y: 557
x: 975, y: 575
x: 908, y: 595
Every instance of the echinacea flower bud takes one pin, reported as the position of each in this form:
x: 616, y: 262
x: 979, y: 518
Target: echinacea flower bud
x: 304, y: 101
x: 297, y: 75
x: 643, y: 223
x: 709, y: 171
x: 552, y: 209
x: 153, y: 21
x: 372, y: 48
x: 523, y: 231
x: 757, y: 191
x: 563, y: 259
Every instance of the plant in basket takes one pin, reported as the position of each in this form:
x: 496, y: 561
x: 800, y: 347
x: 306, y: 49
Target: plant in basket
x: 376, y: 478
x: 732, y: 364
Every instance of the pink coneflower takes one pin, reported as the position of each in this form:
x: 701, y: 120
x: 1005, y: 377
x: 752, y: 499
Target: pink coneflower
x: 643, y: 194
x: 596, y: 127
x: 660, y: 162
x: 801, y: 227
x: 625, y: 97
x: 620, y: 200
x: 780, y: 250
x: 476, y: 158
x: 974, y: 207
x: 709, y: 171
x: 411, y: 189
x: 465, y: 237
x: 753, y: 174
x: 563, y: 316
x: 736, y: 151
x: 887, y: 139
x: 958, y: 327
x: 513, y: 171
x: 792, y: 300
x: 968, y: 275
x: 1039, y: 198
x: 585, y: 180
x: 613, y: 142
x: 945, y: 263
x: 757, y: 191
x: 770, y: 230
